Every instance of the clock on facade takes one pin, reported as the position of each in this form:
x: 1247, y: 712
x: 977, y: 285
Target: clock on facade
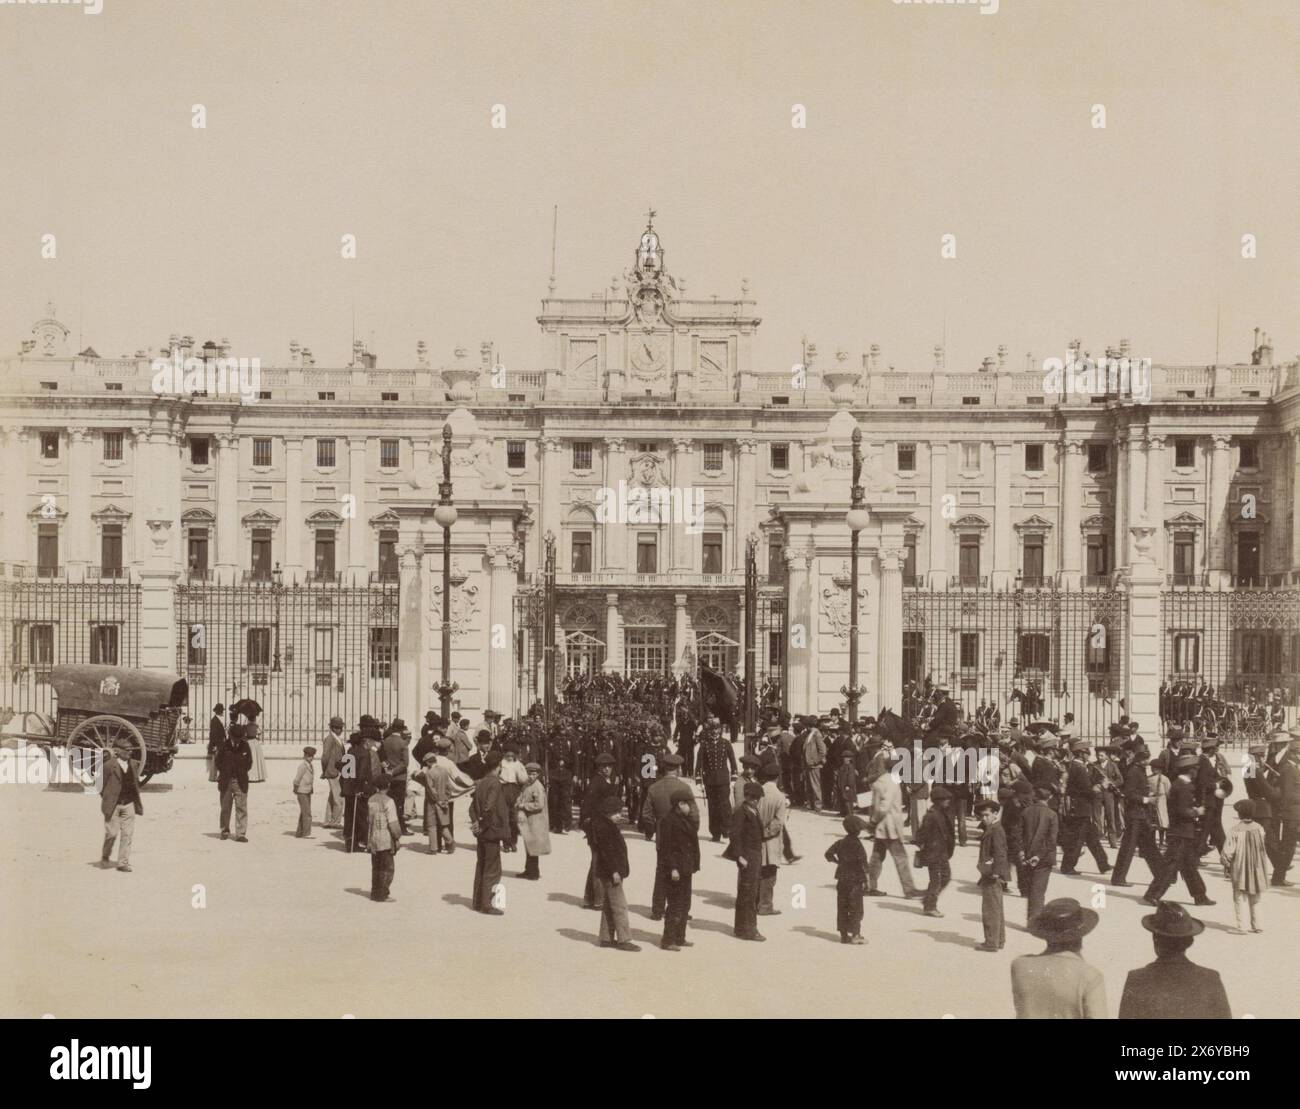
x: 649, y: 354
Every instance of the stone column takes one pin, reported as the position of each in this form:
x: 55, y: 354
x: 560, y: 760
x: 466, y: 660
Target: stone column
x: 679, y: 627
x: 1141, y: 683
x: 501, y: 584
x: 746, y: 492
x: 798, y: 646
x: 938, y: 573
x: 293, y: 520
x: 1071, y: 506
x: 1155, y: 496
x: 1004, y: 538
x: 412, y: 683
x: 78, y: 555
x: 1295, y: 506
x: 889, y: 643
x: 1135, y: 488
x: 550, y: 448
x: 1121, y: 487
x: 359, y: 525
x: 228, y: 506
x: 13, y: 547
x: 613, y: 657
x: 1216, y: 516
x: 613, y: 534
x: 683, y: 474
x: 157, y: 596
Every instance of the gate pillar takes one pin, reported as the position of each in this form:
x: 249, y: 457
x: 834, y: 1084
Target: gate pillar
x: 411, y: 669
x: 158, y: 601
x: 1143, y: 631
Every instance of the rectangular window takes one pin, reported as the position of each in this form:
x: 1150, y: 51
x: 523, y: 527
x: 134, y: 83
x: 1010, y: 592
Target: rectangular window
x: 322, y: 649
x: 388, y: 398
x: 1184, y: 559
x: 647, y: 554
x: 103, y: 644
x: 258, y: 647
x: 388, y: 568
x: 262, y: 452
x: 325, y: 396
x: 1187, y: 653
x: 196, y: 550
x: 970, y: 650
x: 1034, y: 651
x: 1249, y: 454
x: 712, y: 551
x: 1098, y: 556
x: 648, y: 448
x: 1034, y: 458
x: 516, y: 454
x: 383, y: 653
x: 40, y: 645
x: 580, y: 553
x: 196, y: 650
x: 970, y: 456
x: 112, y: 446
x: 1098, y: 458
x: 112, y: 386
x: 646, y: 650
x: 968, y: 560
x: 110, y: 551
x: 389, y: 454
x: 260, y: 556
x: 582, y: 456
x: 907, y: 400
x: 970, y: 401
x: 49, y: 444
x: 775, y: 651
x: 1185, y: 454
x: 47, y: 551
x: 325, y: 454
x: 775, y: 561
x: 907, y: 458
x: 712, y: 458
x: 324, y: 555
x: 50, y: 386
x: 909, y: 560
x: 200, y: 450
x: 780, y: 456
x: 1033, y: 568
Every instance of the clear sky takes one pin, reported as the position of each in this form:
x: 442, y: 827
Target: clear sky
x: 374, y: 119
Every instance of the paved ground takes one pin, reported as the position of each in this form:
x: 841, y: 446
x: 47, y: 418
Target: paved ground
x: 288, y: 929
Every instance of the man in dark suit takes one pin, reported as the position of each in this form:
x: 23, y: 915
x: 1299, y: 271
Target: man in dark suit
x: 234, y: 761
x: 490, y: 821
x: 936, y: 844
x: 593, y: 798
x: 660, y: 798
x: 1180, y: 837
x: 716, y: 760
x: 1081, y: 791
x: 995, y: 871
x: 216, y: 729
x: 1041, y: 826
x: 1173, y: 987
x: 745, y: 849
x: 119, y: 801
x: 1288, y: 807
x: 1263, y: 787
x: 1138, y: 808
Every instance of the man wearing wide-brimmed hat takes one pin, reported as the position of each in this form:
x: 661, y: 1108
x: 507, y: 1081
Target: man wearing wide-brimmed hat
x: 1263, y: 787
x: 1057, y: 983
x: 1180, y: 839
x: 1173, y: 987
x: 1288, y: 808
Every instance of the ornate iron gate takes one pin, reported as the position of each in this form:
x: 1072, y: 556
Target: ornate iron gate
x: 1037, y: 654
x: 1243, y: 645
x: 46, y: 623
x: 304, y: 652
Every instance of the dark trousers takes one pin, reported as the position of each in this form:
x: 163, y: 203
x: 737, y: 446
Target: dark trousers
x: 383, y: 868
x: 677, y: 906
x: 1272, y: 845
x: 1114, y: 816
x: 1036, y: 891
x: 593, y: 894
x: 397, y: 791
x: 560, y: 807
x: 959, y: 809
x: 940, y: 876
x: 354, y: 822
x: 1212, y: 834
x: 531, y: 869
x: 995, y: 925
x: 1179, y: 859
x: 687, y: 752
x: 848, y: 907
x: 1078, y: 829
x: 659, y: 895
x: 487, y: 873
x: 746, y: 923
x: 1139, y: 836
x: 718, y: 797
x: 1285, y: 849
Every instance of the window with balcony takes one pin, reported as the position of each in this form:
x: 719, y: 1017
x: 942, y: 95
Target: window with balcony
x: 1250, y: 570
x: 712, y: 552
x: 110, y: 551
x: 388, y: 569
x: 1098, y: 458
x: 112, y: 446
x: 200, y: 450
x: 907, y: 458
x: 580, y: 560
x: 262, y: 452
x: 968, y: 560
x: 196, y: 551
x: 1033, y: 458
x: 389, y: 454
x: 647, y: 554
x: 1185, y: 454
x: 582, y: 456
x: 1184, y: 558
x: 103, y: 644
x: 909, y: 560
x: 47, y: 550
x: 259, y: 561
x: 324, y: 561
x: 1032, y: 569
x: 516, y: 454
x: 325, y: 454
x: 49, y: 445
x: 1098, y: 557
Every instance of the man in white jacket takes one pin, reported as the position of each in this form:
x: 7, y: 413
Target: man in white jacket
x: 887, y: 831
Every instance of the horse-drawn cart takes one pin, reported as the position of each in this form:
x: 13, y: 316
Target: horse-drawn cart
x: 100, y: 707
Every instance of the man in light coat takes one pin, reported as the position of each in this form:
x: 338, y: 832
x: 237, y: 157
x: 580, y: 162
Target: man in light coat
x: 330, y: 760
x: 887, y: 831
x: 533, y: 821
x: 1057, y: 983
x: 814, y: 758
x: 773, y: 811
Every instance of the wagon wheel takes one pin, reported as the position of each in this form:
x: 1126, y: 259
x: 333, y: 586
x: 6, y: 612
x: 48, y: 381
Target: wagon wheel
x: 104, y: 732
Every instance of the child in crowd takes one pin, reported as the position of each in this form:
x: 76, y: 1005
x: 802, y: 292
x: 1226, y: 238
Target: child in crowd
x: 385, y: 830
x: 1244, y: 860
x: 850, y: 859
x: 303, y: 784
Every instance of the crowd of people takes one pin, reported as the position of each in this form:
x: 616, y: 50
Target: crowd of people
x: 1039, y: 797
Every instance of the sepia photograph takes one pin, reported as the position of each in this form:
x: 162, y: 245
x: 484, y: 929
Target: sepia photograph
x: 676, y: 490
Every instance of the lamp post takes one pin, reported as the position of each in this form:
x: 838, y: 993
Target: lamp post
x: 445, y: 516
x: 857, y: 518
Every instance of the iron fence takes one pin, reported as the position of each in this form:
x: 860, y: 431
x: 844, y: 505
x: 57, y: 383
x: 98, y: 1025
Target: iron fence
x: 304, y: 652
x: 1036, y: 654
x: 44, y: 624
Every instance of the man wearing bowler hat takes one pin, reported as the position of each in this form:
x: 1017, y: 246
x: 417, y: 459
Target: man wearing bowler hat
x: 1056, y: 983
x: 1173, y: 987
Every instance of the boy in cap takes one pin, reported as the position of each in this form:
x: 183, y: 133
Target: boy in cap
x: 532, y: 821
x: 745, y: 849
x: 936, y: 842
x: 677, y: 846
x: 435, y: 780
x: 846, y: 782
x: 559, y: 798
x: 384, y: 832
x: 611, y: 868
x: 850, y: 859
x: 1245, y: 865
x: 303, y: 787
x: 995, y: 871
